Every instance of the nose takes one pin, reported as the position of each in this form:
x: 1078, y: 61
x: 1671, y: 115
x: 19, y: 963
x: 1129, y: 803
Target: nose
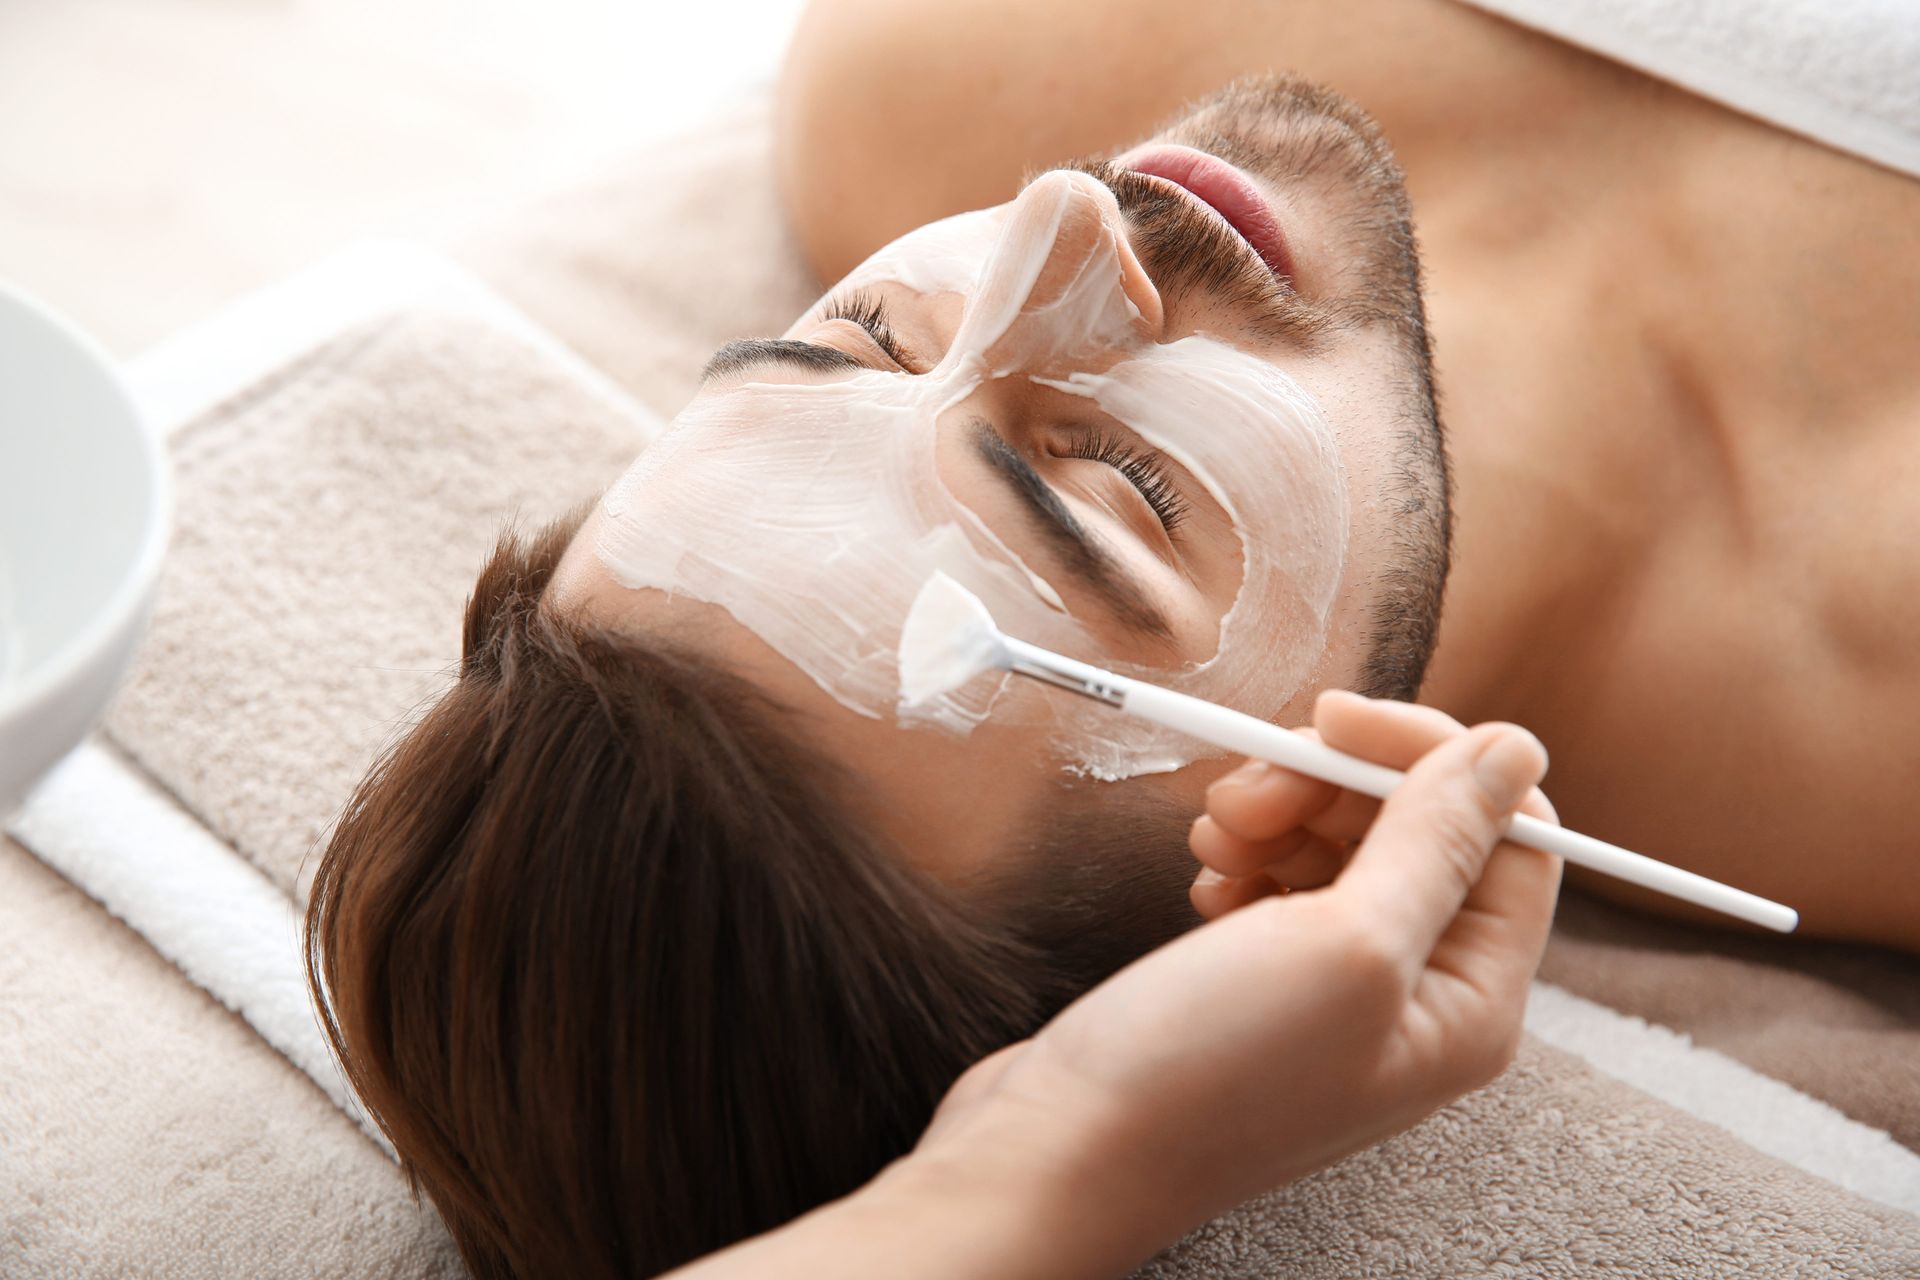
x: 1090, y: 233
x: 1135, y: 283
x: 1062, y: 275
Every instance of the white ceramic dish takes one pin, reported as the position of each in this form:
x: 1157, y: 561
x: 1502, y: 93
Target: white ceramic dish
x: 84, y: 511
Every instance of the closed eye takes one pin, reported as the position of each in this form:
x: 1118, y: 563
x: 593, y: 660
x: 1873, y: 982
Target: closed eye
x: 869, y: 311
x: 1108, y: 575
x: 1143, y: 468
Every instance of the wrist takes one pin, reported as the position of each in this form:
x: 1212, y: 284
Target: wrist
x: 1002, y: 1190
x: 953, y: 1213
x: 1050, y: 1191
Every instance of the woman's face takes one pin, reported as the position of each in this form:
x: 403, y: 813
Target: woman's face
x: 1148, y: 435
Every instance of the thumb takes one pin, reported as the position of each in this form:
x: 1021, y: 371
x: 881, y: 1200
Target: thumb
x: 1431, y: 842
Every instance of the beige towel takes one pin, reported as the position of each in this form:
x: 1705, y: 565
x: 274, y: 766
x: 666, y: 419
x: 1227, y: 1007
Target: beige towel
x: 285, y: 647
x: 1839, y: 1022
x: 145, y: 1131
x: 329, y: 527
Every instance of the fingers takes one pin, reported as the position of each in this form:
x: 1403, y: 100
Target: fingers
x: 1227, y: 854
x: 1307, y: 862
x: 1259, y: 810
x: 1298, y: 860
x: 1268, y: 829
x: 1379, y: 729
x: 1432, y: 841
x: 1494, y: 944
x: 1214, y: 895
x: 1386, y: 732
x: 1259, y: 802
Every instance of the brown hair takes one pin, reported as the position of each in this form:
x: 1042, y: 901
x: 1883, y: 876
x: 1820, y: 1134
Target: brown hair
x: 606, y: 960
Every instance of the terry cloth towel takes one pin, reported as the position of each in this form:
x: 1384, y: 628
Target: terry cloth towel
x: 330, y: 523
x: 1840, y: 72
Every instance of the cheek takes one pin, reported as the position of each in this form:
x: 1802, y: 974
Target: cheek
x: 1211, y: 543
x: 1382, y: 438
x: 1264, y: 448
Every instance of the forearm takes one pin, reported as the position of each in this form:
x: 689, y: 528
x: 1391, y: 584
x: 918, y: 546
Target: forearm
x: 1000, y: 1211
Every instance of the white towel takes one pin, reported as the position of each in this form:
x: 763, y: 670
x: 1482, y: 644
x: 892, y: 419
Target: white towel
x: 1842, y: 72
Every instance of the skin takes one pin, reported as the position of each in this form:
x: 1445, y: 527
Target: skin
x: 1682, y: 555
x: 1176, y: 1089
x: 956, y: 806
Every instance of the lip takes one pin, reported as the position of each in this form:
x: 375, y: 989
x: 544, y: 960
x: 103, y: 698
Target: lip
x: 1226, y: 190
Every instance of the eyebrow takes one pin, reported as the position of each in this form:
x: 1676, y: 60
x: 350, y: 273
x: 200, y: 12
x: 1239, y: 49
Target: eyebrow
x: 743, y: 354
x: 1083, y: 552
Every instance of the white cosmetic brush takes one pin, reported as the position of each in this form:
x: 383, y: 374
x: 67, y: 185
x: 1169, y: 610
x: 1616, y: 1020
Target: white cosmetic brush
x: 950, y: 638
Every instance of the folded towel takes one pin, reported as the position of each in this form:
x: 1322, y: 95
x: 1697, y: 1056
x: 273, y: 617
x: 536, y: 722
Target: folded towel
x: 1555, y: 1171
x: 287, y: 645
x: 1837, y: 1021
x: 146, y: 1131
x: 330, y: 525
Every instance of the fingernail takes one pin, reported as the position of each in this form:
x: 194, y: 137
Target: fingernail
x: 1509, y: 763
x: 1245, y: 776
x: 1208, y: 876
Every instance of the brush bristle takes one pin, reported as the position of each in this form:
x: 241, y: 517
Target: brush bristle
x: 949, y: 639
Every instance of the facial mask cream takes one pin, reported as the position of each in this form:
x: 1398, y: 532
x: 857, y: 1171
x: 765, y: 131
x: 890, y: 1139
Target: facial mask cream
x: 814, y: 513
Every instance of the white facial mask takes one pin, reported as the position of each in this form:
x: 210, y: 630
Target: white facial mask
x: 814, y: 513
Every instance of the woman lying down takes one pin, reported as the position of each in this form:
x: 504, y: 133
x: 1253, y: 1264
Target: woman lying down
x: 670, y: 922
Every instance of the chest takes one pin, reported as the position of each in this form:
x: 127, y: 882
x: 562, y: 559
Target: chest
x: 1736, y: 692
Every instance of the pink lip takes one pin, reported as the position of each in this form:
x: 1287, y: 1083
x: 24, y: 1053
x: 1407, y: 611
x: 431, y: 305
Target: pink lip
x: 1223, y: 188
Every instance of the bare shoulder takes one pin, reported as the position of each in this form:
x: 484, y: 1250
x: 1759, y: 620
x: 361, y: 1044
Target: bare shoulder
x: 893, y: 114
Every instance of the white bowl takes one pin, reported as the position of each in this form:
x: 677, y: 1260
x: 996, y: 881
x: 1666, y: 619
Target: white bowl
x: 84, y: 508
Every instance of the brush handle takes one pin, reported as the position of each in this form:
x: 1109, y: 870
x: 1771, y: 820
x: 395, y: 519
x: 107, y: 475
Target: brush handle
x: 1248, y: 736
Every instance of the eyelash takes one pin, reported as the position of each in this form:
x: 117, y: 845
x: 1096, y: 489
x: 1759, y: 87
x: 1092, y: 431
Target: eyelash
x: 870, y: 313
x: 1143, y: 470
